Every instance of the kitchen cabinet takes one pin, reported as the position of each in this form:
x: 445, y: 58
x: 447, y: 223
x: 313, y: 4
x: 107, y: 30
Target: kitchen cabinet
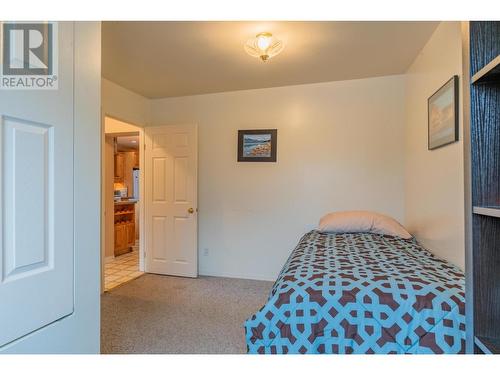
x: 125, y: 162
x: 130, y: 230
x: 119, y: 167
x: 136, y: 159
x: 124, y: 227
x: 120, y: 239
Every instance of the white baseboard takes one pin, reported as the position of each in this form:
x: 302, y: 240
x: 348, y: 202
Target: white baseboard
x: 238, y: 276
x: 109, y: 259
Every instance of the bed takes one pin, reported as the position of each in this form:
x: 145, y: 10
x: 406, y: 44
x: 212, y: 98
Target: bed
x: 361, y: 293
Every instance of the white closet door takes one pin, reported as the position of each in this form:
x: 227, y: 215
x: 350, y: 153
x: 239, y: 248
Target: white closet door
x: 36, y: 205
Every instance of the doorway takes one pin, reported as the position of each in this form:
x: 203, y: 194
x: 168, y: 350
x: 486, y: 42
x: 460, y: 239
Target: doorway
x: 122, y: 181
x: 164, y: 216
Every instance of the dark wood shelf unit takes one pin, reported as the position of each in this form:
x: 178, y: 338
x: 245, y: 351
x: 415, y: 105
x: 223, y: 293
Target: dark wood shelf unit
x: 487, y: 345
x: 487, y: 211
x: 490, y: 73
x: 483, y: 274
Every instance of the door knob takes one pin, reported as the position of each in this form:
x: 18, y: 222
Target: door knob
x: 191, y: 210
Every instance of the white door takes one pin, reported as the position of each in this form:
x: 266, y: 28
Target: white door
x: 36, y: 201
x: 171, y: 163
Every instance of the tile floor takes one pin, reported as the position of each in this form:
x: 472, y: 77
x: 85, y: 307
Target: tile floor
x: 121, y: 269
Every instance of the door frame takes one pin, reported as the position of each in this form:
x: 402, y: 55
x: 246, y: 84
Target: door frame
x: 140, y: 129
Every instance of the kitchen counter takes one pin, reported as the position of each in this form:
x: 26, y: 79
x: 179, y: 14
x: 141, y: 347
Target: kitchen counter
x: 127, y: 201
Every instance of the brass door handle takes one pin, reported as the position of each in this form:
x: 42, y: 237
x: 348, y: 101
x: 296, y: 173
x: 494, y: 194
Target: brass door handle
x: 190, y: 210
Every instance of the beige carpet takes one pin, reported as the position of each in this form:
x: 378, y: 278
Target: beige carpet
x: 163, y: 314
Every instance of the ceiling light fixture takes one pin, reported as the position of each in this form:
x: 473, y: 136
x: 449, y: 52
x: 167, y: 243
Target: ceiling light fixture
x: 264, y: 46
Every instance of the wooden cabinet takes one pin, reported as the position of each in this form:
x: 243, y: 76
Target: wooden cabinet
x: 125, y: 162
x: 120, y: 239
x: 136, y: 159
x: 119, y: 167
x: 124, y: 227
x: 130, y: 230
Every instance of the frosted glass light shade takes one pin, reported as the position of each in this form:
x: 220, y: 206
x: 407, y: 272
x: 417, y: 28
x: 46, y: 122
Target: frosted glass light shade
x: 264, y: 46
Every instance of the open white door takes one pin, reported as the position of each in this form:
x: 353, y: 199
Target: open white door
x: 171, y: 218
x: 36, y: 201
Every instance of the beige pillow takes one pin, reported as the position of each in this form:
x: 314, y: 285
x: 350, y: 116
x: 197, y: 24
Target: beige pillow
x: 361, y: 221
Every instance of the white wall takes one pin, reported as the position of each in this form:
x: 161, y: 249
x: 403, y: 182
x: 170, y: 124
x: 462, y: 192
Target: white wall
x: 340, y: 147
x: 434, y: 190
x: 123, y: 104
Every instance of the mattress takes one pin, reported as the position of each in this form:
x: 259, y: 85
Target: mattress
x: 361, y: 293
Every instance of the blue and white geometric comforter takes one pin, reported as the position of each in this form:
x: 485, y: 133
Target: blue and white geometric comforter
x: 361, y: 293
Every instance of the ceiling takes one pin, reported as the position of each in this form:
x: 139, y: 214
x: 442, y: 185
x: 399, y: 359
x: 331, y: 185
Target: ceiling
x: 163, y: 59
x: 127, y: 143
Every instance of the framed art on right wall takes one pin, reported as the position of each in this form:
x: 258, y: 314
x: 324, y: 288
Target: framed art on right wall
x: 442, y: 109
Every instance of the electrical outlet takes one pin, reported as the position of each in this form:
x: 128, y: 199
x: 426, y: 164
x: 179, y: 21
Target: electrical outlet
x: 205, y: 252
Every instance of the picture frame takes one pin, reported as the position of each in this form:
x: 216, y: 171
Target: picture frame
x: 257, y: 145
x: 443, y: 115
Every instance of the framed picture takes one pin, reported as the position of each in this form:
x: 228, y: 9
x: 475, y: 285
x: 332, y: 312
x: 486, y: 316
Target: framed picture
x: 257, y: 145
x: 442, y: 109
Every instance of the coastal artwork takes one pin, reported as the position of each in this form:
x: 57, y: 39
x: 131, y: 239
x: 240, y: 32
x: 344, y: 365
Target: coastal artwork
x: 443, y: 119
x: 257, y: 145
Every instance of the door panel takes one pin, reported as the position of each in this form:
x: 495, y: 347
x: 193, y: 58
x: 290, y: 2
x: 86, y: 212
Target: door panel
x: 36, y: 201
x: 171, y: 200
x: 159, y: 239
x: 29, y: 164
x: 181, y: 172
x: 159, y: 175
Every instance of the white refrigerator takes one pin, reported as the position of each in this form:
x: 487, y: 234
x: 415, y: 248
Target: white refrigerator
x: 136, y: 183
